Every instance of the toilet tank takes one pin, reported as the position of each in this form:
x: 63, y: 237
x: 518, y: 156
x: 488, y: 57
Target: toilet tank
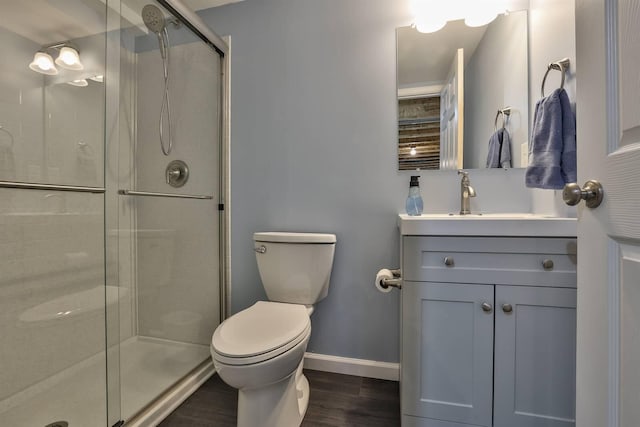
x: 295, y: 267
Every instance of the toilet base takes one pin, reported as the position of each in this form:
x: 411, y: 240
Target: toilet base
x: 280, y: 404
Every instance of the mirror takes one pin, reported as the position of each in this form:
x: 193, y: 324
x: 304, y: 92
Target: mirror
x: 456, y: 88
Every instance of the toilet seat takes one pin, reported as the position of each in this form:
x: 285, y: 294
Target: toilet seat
x: 260, y: 332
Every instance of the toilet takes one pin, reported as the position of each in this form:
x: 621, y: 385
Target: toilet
x: 260, y: 350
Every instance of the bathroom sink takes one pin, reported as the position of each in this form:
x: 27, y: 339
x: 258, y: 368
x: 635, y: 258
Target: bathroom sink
x: 489, y: 224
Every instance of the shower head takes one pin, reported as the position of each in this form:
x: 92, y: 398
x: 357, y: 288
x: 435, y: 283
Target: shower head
x: 153, y: 18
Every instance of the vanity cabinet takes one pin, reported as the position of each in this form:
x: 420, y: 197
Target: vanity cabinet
x: 488, y: 331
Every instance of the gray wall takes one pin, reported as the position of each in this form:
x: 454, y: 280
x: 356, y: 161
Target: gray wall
x: 313, y: 148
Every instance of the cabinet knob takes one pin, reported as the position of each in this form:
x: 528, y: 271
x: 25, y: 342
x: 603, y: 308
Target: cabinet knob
x: 547, y: 264
x: 507, y: 308
x: 448, y: 261
x: 487, y: 307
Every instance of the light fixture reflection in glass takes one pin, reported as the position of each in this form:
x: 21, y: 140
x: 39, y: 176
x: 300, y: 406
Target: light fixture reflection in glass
x: 99, y: 78
x: 413, y: 151
x: 43, y: 63
x: 69, y: 58
x: 79, y: 83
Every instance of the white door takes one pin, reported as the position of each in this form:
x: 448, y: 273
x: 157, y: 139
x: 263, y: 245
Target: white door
x: 608, y: 117
x: 452, y: 115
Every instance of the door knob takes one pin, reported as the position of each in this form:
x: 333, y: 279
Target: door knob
x: 592, y: 193
x: 507, y: 308
x: 487, y: 307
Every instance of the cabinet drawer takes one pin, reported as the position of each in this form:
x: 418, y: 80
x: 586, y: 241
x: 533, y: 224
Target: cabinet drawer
x: 496, y: 260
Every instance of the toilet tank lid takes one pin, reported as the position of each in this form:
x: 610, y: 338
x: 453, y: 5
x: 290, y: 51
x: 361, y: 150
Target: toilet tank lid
x: 286, y: 237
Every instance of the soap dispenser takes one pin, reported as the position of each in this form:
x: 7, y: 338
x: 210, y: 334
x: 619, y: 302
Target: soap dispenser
x: 414, y: 203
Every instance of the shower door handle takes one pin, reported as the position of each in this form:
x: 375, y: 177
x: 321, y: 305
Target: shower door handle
x: 171, y: 195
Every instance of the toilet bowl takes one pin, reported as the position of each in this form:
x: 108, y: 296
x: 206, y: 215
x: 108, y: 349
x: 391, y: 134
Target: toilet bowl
x: 260, y: 350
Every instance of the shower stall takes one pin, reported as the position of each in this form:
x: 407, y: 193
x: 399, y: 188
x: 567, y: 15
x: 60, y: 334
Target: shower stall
x: 114, y: 183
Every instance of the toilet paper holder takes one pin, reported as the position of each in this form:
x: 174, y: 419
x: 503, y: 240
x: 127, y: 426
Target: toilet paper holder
x: 396, y: 282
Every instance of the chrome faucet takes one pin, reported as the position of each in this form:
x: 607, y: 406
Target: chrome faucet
x: 466, y: 191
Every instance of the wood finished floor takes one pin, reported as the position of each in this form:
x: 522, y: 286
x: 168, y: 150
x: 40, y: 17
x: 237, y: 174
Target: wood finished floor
x: 335, y: 400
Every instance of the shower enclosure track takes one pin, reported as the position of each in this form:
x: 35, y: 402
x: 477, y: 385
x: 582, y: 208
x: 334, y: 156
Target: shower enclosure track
x: 54, y: 187
x: 173, y: 195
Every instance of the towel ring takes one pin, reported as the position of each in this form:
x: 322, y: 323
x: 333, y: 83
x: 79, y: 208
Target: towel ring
x: 562, y: 66
x: 506, y: 112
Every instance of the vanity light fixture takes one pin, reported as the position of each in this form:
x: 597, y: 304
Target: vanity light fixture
x: 43, y: 63
x: 68, y: 58
x: 432, y: 15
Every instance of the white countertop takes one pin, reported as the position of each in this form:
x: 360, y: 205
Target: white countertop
x: 505, y: 225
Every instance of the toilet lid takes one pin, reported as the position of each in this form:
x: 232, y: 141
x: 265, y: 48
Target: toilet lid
x: 259, y: 329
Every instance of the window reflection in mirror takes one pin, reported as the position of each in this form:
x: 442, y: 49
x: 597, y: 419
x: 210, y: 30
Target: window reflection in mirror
x: 469, y: 73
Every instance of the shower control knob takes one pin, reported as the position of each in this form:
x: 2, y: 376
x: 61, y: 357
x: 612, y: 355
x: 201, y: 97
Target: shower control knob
x: 177, y: 173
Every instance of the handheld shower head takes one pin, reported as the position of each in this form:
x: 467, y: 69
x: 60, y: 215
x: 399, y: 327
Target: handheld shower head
x: 155, y: 21
x: 153, y: 18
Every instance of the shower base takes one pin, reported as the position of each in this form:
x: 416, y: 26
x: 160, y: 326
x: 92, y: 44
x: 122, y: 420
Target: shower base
x: 77, y: 395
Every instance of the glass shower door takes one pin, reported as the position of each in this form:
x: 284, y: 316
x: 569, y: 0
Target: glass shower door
x: 53, y: 298
x: 165, y: 238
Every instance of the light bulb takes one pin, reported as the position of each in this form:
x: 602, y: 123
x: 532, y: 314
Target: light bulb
x: 413, y: 151
x: 44, y: 63
x: 69, y: 58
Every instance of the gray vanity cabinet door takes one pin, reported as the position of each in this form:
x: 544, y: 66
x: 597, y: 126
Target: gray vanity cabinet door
x: 535, y: 355
x: 447, y: 352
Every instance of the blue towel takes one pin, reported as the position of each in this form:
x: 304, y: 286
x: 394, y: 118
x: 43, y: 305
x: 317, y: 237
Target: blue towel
x: 552, y: 151
x: 499, y: 150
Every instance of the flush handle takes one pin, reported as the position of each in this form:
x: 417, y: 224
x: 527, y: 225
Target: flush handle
x: 262, y: 249
x: 592, y: 193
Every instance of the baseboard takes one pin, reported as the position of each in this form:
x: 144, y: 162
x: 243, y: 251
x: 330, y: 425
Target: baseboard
x: 350, y: 366
x: 167, y: 403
